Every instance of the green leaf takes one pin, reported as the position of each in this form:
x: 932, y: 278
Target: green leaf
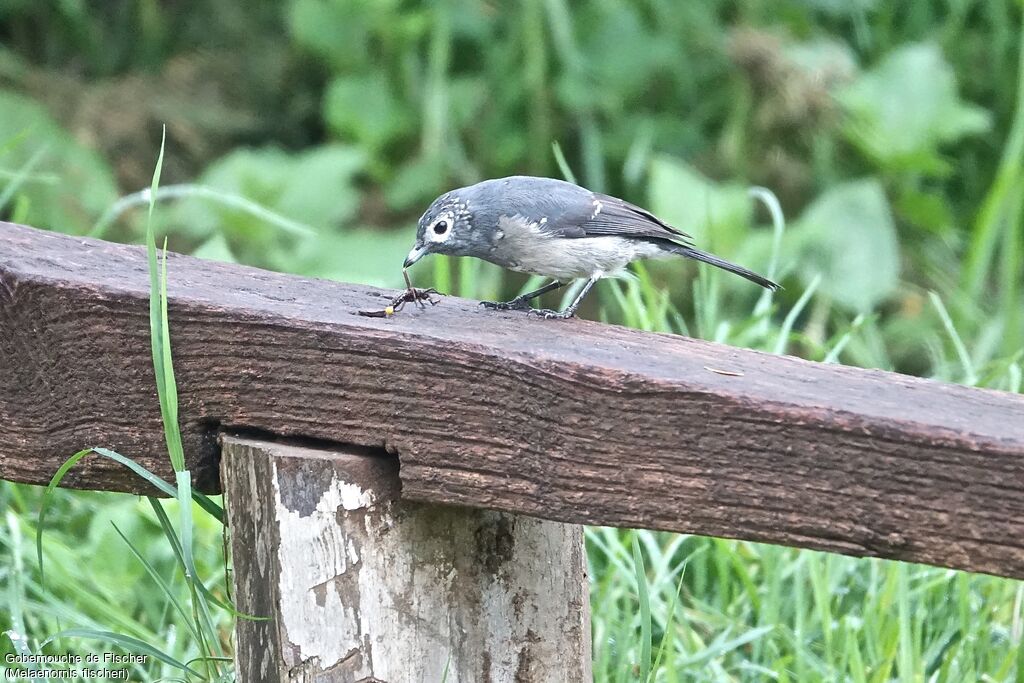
x: 716, y: 216
x: 847, y: 236
x: 900, y: 112
x: 416, y: 183
x: 314, y: 188
x: 215, y: 249
x: 365, y: 109
x: 86, y: 184
x: 371, y: 257
x: 341, y: 31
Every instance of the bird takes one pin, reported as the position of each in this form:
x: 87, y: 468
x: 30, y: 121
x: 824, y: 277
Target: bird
x: 555, y: 229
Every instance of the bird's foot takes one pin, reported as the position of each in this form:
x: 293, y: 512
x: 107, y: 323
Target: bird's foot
x: 548, y: 314
x: 514, y: 305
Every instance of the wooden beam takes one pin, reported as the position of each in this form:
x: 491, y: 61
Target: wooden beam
x: 569, y: 420
x: 360, y: 586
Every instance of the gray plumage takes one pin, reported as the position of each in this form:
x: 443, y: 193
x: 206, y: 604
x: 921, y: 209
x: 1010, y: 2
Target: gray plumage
x: 554, y: 229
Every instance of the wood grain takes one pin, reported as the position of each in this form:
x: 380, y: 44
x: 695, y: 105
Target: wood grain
x: 568, y: 420
x: 361, y: 586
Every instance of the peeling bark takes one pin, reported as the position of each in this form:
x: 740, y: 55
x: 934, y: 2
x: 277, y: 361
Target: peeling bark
x: 363, y: 586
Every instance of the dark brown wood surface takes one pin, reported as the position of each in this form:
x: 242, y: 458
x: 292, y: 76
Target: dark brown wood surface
x: 569, y: 420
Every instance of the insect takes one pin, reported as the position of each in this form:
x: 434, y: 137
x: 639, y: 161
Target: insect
x: 410, y: 295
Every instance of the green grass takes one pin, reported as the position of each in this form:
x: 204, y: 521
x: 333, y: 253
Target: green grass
x: 199, y: 651
x: 753, y: 612
x: 94, y: 580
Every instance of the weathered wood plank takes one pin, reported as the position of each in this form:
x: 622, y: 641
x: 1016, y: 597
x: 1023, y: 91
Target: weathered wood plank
x: 361, y: 586
x: 569, y: 420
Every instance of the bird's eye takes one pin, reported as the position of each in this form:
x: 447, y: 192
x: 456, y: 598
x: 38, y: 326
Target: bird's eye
x: 441, y: 227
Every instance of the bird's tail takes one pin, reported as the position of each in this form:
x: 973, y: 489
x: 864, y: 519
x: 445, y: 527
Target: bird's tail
x: 705, y: 257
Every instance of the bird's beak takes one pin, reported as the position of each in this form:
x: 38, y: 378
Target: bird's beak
x: 417, y: 252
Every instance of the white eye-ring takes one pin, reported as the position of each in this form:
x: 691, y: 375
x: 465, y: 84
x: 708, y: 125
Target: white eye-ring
x: 441, y: 229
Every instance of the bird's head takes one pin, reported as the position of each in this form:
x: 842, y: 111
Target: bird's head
x: 446, y: 228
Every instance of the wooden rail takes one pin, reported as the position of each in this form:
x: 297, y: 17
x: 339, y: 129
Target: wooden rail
x: 566, y: 420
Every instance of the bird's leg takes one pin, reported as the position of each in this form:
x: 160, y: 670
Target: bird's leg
x: 522, y: 301
x: 570, y: 310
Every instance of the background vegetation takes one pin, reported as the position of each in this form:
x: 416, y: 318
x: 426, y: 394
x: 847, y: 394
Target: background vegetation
x: 892, y: 133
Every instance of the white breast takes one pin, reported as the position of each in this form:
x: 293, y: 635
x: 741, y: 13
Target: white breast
x: 523, y: 246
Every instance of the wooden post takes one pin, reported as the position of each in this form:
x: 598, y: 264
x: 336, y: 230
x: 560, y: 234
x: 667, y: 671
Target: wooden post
x: 361, y: 586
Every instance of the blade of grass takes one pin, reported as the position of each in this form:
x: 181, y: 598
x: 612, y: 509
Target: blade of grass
x: 15, y: 590
x: 966, y: 364
x: 41, y: 178
x: 19, y: 644
x: 145, y: 474
x: 563, y: 165
x: 906, y: 648
x: 176, y: 547
x: 668, y: 632
x: 15, y: 140
x: 54, y: 481
x: 127, y: 642
x: 644, y: 599
x: 155, y: 575
x: 1010, y: 269
x: 771, y: 202
x: 170, y: 397
x: 818, y: 574
x: 21, y: 176
x: 157, y: 319
x: 833, y: 355
x: 722, y: 645
x: 190, y: 191
x: 991, y: 217
x: 202, y: 499
x: 787, y: 325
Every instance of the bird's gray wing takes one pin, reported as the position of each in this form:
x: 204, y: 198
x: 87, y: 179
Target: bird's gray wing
x: 605, y: 215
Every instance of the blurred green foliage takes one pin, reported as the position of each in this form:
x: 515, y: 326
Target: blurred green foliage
x: 892, y: 134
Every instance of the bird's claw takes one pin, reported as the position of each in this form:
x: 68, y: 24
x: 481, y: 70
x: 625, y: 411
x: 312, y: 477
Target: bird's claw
x: 548, y: 314
x: 521, y: 305
x: 514, y: 305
